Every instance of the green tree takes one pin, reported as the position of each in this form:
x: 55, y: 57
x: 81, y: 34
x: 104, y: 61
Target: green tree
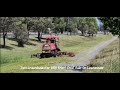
x: 5, y: 24
x: 41, y: 24
x: 87, y: 24
x: 71, y: 24
x: 112, y: 24
x: 30, y: 23
x: 92, y: 25
x: 20, y: 31
x: 59, y: 24
x: 49, y: 24
x: 82, y: 24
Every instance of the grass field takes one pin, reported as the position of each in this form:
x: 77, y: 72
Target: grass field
x: 109, y: 58
x: 13, y: 57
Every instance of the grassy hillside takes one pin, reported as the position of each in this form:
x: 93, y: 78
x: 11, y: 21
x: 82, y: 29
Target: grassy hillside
x: 109, y: 58
x: 13, y: 57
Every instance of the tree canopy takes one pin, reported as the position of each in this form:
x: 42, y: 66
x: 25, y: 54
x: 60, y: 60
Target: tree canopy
x: 21, y: 26
x: 112, y: 24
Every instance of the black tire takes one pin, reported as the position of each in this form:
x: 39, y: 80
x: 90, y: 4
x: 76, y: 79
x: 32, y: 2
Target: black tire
x: 58, y: 49
x: 54, y: 55
x: 42, y: 55
x: 39, y: 57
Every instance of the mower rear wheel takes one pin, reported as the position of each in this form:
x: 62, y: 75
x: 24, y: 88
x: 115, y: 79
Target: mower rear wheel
x: 54, y: 55
x: 39, y: 55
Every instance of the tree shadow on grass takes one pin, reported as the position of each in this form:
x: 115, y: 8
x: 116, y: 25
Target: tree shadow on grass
x: 14, y: 45
x: 6, y: 47
x: 12, y: 39
x: 35, y: 40
x: 29, y: 43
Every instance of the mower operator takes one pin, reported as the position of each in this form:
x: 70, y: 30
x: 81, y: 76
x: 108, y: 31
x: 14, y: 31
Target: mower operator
x: 51, y: 45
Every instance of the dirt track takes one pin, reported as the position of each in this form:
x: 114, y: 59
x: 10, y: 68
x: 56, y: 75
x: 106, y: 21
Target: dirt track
x: 83, y: 58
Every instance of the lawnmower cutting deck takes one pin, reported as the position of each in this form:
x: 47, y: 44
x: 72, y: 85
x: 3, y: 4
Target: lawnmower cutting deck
x: 51, y: 49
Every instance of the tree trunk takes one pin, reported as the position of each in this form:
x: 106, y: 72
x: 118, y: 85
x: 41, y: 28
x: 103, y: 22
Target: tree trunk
x: 89, y: 34
x: 3, y: 39
x: 74, y: 33
x: 38, y: 35
x: 28, y: 29
x: 15, y: 36
x: 28, y: 34
x: 6, y: 34
x: 107, y: 32
x: 104, y: 32
x: 61, y: 31
x: 20, y: 43
x: 92, y: 34
x: 70, y: 33
x: 55, y: 33
x: 82, y: 31
x: 41, y: 35
x: 67, y: 31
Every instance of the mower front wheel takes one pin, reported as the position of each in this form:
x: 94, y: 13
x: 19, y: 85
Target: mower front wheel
x: 54, y: 55
x: 39, y: 55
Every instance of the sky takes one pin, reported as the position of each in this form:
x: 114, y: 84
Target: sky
x: 98, y: 21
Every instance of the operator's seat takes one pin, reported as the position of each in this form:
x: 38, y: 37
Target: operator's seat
x: 48, y: 47
x: 52, y: 46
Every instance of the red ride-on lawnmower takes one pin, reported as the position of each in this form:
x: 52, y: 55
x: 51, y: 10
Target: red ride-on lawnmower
x: 50, y: 48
